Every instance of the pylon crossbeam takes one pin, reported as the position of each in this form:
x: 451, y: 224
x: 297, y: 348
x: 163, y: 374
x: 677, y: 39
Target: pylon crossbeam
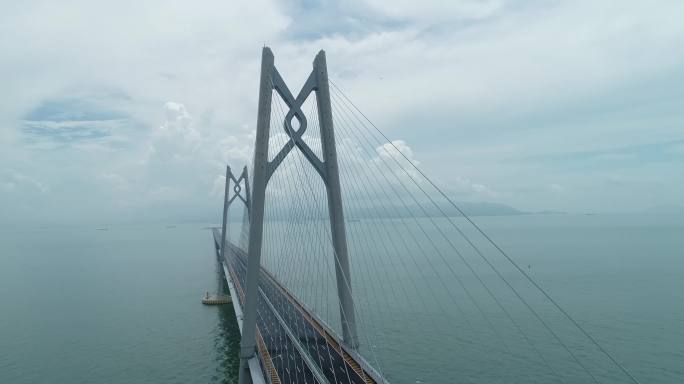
x: 295, y: 112
x: 237, y: 188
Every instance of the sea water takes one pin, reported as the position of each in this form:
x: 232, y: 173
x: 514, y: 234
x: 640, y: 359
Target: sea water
x: 122, y: 305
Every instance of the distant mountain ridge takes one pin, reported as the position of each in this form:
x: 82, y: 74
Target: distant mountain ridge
x: 666, y: 208
x: 483, y: 209
x: 375, y: 210
x: 428, y: 209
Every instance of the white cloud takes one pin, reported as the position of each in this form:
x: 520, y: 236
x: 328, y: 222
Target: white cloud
x: 116, y: 181
x: 468, y: 188
x: 14, y: 180
x: 166, y: 194
x: 474, y: 86
x: 437, y: 11
x: 397, y: 149
x: 178, y: 120
x: 218, y: 188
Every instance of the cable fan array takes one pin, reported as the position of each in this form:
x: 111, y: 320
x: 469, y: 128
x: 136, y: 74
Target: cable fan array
x: 436, y: 298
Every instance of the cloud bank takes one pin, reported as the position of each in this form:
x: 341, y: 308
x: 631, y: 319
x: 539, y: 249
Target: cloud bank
x: 131, y: 111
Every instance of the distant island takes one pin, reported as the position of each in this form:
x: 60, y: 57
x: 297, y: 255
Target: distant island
x: 376, y: 209
x: 487, y: 209
x: 548, y: 212
x: 484, y: 209
x: 428, y: 209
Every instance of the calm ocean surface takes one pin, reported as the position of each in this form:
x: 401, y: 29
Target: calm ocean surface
x: 80, y: 305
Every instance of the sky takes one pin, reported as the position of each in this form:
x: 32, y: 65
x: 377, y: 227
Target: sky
x: 129, y: 111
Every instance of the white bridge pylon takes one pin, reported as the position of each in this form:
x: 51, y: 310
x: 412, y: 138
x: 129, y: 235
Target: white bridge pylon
x: 228, y: 200
x: 263, y: 169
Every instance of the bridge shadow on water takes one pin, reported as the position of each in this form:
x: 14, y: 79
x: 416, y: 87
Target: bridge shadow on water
x: 226, y: 342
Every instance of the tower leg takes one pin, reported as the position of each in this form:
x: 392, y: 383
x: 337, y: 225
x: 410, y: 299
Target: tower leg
x: 337, y: 226
x: 256, y: 212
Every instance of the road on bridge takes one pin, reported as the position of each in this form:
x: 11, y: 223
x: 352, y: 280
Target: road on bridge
x: 288, y: 331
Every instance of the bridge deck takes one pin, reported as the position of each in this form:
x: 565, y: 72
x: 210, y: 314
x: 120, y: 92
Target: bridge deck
x: 294, y: 346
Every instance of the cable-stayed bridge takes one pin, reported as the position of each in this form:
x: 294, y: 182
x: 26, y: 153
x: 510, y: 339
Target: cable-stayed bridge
x: 350, y: 265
